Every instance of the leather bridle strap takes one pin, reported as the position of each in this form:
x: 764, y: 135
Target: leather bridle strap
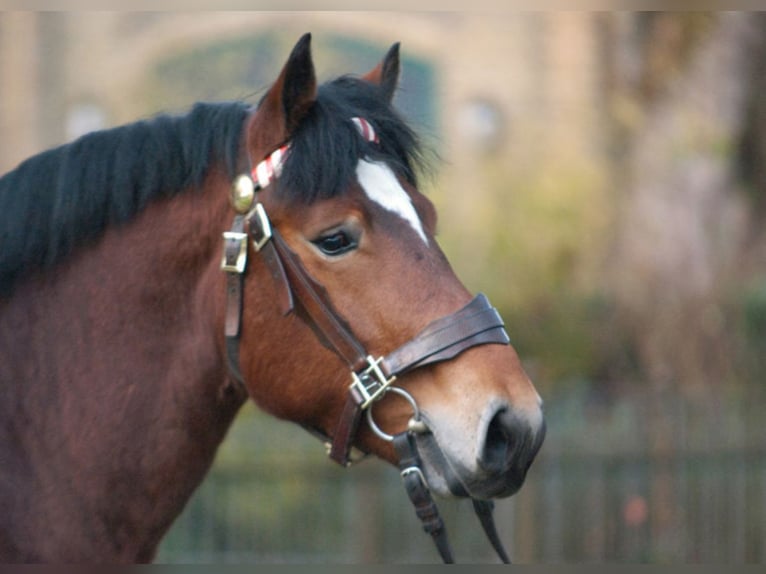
x: 478, y: 323
x: 234, y: 261
x: 417, y: 489
x: 252, y: 226
x: 314, y: 302
x: 426, y: 509
x: 484, y: 510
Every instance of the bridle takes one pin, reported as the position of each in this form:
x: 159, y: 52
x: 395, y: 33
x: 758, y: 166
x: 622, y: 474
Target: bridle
x: 478, y: 323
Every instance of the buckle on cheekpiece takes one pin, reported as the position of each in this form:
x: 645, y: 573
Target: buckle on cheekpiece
x: 234, y: 252
x: 260, y: 226
x: 371, y: 383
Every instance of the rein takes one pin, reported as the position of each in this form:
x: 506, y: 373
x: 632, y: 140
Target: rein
x: 478, y: 323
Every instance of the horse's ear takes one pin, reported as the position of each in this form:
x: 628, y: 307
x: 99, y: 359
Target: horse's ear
x: 386, y: 74
x: 288, y: 100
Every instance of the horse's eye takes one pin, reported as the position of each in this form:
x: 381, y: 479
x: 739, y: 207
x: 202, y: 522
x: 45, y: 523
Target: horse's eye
x: 336, y: 243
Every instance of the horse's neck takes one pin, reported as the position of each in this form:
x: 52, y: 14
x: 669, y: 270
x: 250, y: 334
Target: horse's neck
x: 120, y: 395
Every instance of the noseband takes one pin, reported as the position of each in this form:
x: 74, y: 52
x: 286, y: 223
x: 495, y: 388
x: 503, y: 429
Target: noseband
x: 372, y: 377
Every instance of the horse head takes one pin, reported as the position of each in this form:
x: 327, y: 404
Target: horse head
x: 336, y: 169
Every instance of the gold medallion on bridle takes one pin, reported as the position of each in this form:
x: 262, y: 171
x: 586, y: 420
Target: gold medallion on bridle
x: 242, y: 194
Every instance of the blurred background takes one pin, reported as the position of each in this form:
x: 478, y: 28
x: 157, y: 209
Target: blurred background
x: 600, y: 175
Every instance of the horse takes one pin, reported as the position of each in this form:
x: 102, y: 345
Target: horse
x: 157, y: 275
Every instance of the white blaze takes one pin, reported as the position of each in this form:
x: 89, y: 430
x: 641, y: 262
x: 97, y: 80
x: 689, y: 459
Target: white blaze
x: 382, y: 187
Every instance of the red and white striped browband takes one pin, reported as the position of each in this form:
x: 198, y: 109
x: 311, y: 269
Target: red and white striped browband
x: 271, y: 167
x: 365, y: 128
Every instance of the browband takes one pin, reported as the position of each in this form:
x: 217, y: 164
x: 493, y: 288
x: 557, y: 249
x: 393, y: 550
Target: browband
x: 271, y: 167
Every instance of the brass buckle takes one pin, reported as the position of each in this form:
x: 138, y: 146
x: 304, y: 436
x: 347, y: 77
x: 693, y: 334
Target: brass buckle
x: 239, y: 264
x: 260, y: 226
x: 371, y: 382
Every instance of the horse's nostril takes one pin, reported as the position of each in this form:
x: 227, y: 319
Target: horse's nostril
x: 498, y: 442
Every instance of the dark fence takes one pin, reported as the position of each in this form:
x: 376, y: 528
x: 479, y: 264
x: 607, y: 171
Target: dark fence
x: 649, y: 478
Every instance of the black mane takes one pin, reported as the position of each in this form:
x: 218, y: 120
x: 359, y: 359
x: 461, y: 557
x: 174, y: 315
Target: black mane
x: 326, y: 147
x: 64, y: 197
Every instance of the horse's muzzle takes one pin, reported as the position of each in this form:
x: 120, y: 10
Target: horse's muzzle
x: 506, y: 449
x: 510, y: 446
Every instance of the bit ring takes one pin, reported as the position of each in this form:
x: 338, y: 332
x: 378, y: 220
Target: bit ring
x: 415, y: 424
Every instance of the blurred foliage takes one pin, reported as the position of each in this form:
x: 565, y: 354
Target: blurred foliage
x: 667, y: 43
x: 542, y: 241
x: 557, y: 221
x: 753, y: 314
x: 546, y: 223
